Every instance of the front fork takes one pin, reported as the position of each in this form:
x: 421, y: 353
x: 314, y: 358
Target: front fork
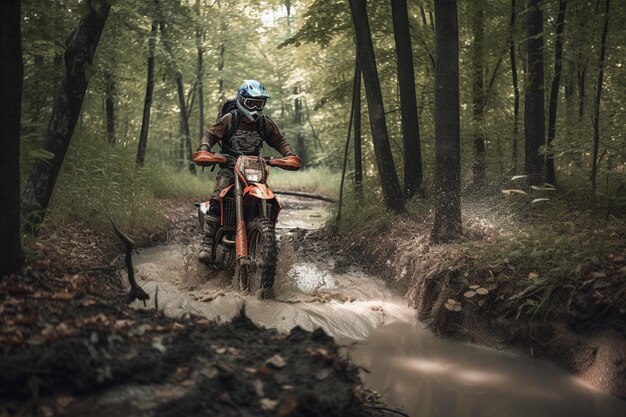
x: 241, y: 238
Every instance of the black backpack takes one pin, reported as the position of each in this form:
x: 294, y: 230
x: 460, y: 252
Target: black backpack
x: 230, y: 106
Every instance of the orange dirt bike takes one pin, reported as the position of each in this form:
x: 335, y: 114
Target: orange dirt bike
x: 246, y: 238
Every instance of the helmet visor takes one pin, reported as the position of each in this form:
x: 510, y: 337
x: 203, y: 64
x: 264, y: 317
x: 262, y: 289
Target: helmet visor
x: 254, y: 103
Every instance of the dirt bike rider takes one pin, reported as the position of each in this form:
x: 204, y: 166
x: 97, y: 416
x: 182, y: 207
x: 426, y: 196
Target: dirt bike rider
x: 240, y: 131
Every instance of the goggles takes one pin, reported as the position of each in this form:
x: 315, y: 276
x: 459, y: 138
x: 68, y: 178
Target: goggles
x: 254, y: 103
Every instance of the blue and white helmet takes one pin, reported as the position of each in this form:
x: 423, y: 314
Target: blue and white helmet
x: 251, y: 98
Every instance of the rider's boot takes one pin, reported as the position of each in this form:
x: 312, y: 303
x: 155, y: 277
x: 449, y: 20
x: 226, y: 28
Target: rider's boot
x: 211, y: 224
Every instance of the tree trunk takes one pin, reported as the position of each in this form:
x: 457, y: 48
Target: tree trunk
x: 534, y: 118
x: 11, y: 73
x: 596, y: 109
x: 298, y: 118
x: 184, y: 122
x: 200, y: 35
x: 408, y: 101
x: 346, y: 149
x: 447, y: 224
x: 392, y: 193
x: 220, y: 71
x: 554, y: 91
x: 81, y: 46
x: 358, y: 163
x: 582, y: 73
x: 478, y: 94
x: 570, y: 105
x: 287, y: 4
x: 147, y: 103
x: 180, y: 160
x: 515, y: 155
x: 110, y: 105
x: 200, y: 92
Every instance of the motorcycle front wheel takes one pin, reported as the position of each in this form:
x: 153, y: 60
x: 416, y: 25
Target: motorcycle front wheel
x: 262, y: 252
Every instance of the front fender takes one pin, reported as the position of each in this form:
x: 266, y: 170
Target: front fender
x: 258, y: 190
x: 262, y: 192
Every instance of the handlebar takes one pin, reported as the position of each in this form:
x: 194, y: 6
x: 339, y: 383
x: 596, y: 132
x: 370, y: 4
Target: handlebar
x: 206, y: 158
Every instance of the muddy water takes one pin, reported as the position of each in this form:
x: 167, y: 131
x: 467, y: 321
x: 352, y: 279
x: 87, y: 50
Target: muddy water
x: 412, y: 369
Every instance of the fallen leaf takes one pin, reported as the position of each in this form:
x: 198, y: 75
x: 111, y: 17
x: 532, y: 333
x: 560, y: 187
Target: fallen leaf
x: 288, y: 406
x: 276, y: 361
x: 209, y: 373
x: 225, y: 370
x: 509, y: 192
x: 482, y: 291
x: 159, y: 346
x: 268, y: 404
x: 533, y: 275
x: 321, y: 353
x: 324, y: 373
x: 474, y: 287
x: 233, y: 351
x: 264, y: 371
x: 452, y: 305
x: 258, y: 388
x: 469, y: 294
x: 601, y: 284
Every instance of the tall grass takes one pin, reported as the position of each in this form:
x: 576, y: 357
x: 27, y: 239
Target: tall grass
x: 98, y: 180
x: 165, y: 181
x: 319, y: 180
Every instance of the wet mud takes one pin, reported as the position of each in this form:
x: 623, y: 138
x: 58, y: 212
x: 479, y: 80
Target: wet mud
x: 320, y: 285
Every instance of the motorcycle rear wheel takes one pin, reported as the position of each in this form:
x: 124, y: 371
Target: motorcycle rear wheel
x: 262, y: 252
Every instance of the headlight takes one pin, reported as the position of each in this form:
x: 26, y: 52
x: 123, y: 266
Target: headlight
x: 253, y: 175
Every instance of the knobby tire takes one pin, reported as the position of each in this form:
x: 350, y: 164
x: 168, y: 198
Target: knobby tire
x: 262, y: 251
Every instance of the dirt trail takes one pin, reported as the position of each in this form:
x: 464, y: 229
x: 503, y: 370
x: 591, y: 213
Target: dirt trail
x: 69, y: 347
x: 313, y: 287
x: 319, y: 284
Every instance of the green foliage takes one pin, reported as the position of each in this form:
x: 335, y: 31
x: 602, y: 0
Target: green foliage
x: 366, y: 216
x: 312, y: 48
x: 313, y: 180
x: 95, y: 183
x: 545, y: 258
x: 165, y: 181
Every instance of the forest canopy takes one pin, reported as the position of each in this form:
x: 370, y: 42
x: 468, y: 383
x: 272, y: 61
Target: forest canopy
x: 540, y: 95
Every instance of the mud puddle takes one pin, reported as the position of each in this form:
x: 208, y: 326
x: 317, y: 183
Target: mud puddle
x: 412, y: 369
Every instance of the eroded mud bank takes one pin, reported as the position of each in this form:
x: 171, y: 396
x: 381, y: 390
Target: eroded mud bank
x: 593, y: 349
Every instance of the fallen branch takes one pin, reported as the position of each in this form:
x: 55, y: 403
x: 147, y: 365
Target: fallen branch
x: 307, y: 195
x: 136, y: 292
